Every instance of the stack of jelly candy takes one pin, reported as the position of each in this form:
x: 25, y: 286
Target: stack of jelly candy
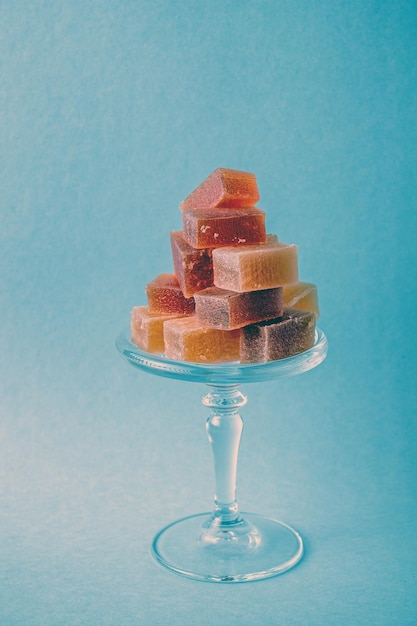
x: 234, y: 293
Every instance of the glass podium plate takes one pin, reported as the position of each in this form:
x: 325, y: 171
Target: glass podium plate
x: 226, y: 545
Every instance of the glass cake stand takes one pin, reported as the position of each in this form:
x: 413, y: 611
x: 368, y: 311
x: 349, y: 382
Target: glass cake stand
x: 226, y: 545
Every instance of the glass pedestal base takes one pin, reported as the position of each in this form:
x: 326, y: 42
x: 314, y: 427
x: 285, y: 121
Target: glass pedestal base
x: 251, y: 548
x: 226, y: 546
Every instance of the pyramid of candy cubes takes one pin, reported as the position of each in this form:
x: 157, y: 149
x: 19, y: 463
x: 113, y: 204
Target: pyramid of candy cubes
x: 234, y: 294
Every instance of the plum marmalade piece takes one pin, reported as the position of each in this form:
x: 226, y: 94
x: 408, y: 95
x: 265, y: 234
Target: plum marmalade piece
x: 220, y: 308
x: 287, y: 336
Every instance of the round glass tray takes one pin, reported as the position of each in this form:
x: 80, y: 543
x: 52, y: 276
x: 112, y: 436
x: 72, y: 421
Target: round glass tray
x: 223, y: 373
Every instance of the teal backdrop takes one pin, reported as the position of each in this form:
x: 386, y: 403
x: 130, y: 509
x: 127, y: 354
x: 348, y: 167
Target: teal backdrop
x: 111, y: 113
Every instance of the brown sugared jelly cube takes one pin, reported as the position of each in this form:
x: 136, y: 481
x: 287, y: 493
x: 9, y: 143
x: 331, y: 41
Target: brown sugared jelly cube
x: 193, y: 268
x: 224, y: 188
x: 220, y: 308
x: 277, y: 339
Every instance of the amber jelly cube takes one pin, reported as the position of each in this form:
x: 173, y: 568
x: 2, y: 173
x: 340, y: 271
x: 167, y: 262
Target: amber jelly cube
x: 193, y: 268
x: 220, y: 308
x: 148, y: 329
x: 302, y: 296
x: 211, y: 228
x: 277, y: 339
x: 165, y: 296
x: 224, y: 188
x: 250, y: 268
x: 187, y: 339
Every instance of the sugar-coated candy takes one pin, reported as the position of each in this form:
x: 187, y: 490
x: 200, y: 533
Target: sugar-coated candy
x: 165, y: 296
x: 210, y: 228
x: 193, y: 268
x: 249, y: 268
x: 220, y: 308
x: 278, y: 339
x: 187, y: 339
x: 148, y: 329
x: 235, y: 294
x: 302, y: 296
x: 224, y: 188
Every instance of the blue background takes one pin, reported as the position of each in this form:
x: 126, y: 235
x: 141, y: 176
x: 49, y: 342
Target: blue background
x: 111, y: 113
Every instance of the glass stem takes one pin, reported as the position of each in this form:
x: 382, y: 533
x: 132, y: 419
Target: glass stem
x: 224, y: 429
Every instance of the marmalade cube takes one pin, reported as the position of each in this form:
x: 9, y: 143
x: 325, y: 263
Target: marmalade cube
x: 250, y: 268
x: 224, y: 188
x: 220, y: 308
x: 148, y: 329
x: 278, y: 339
x: 302, y: 296
x: 211, y: 228
x: 193, y: 268
x: 187, y: 339
x: 165, y: 296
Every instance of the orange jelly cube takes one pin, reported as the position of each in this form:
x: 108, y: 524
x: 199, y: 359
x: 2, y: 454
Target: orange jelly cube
x: 193, y: 268
x: 302, y: 296
x: 187, y: 339
x: 224, y: 188
x: 165, y: 296
x: 148, y: 329
x: 211, y: 228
